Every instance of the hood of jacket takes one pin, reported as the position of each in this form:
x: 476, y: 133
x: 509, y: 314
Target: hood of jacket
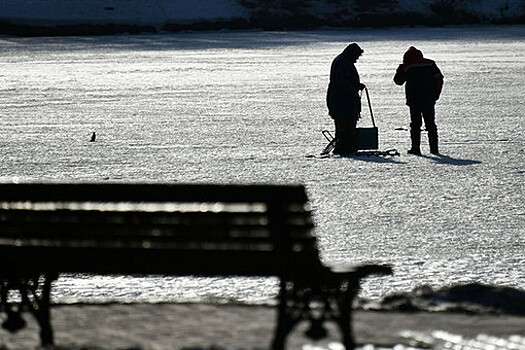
x: 352, y: 52
x: 414, y: 56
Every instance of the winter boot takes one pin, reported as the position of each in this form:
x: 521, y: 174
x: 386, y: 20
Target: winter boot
x: 415, y: 137
x: 433, y: 142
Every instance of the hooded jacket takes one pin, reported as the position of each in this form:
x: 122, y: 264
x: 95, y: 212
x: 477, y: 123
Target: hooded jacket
x: 424, y: 80
x: 343, y: 90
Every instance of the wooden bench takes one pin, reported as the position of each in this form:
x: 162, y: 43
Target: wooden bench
x: 175, y: 230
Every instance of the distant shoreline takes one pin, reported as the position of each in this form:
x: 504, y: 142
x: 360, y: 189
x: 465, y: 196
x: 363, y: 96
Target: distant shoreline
x: 262, y: 23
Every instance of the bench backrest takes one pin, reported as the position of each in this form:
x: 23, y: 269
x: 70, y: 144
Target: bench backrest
x: 196, y: 229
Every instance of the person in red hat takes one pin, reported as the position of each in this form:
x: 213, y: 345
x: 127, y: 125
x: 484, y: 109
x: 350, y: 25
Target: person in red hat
x: 424, y: 82
x: 342, y: 98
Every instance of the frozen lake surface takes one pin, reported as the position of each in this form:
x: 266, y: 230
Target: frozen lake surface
x: 248, y: 107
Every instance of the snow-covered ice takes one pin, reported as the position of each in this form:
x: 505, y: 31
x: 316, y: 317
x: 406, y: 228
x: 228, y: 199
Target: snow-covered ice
x: 249, y: 107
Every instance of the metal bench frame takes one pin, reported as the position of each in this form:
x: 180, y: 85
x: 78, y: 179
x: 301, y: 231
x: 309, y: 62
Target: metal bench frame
x: 35, y: 246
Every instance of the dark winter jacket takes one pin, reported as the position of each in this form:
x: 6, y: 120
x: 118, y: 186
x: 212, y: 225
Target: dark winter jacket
x: 423, y: 78
x: 343, y: 90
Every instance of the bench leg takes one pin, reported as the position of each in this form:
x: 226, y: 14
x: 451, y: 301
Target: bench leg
x: 46, y: 331
x: 294, y: 307
x: 345, y: 320
x: 329, y: 298
x: 283, y: 328
x: 44, y: 315
x: 287, y: 316
x: 36, y: 296
x: 347, y: 291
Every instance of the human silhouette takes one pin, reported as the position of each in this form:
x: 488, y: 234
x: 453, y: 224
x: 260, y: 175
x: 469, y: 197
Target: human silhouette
x: 93, y: 137
x: 424, y: 82
x: 342, y: 98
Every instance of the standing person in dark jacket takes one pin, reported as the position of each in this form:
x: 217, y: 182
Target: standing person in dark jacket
x: 424, y: 83
x: 343, y: 100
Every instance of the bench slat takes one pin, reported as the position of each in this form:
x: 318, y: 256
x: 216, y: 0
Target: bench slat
x: 153, y: 261
x: 152, y: 192
x: 158, y: 234
x: 140, y: 217
x: 102, y: 225
x: 150, y: 242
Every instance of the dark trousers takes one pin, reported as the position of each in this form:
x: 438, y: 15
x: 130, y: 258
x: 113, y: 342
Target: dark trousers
x: 345, y: 133
x: 418, y: 114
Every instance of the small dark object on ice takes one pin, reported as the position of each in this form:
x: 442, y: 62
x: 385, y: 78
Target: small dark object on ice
x: 93, y: 137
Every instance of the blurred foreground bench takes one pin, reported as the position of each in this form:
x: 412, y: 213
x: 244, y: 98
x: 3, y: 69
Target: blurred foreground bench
x: 172, y: 230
